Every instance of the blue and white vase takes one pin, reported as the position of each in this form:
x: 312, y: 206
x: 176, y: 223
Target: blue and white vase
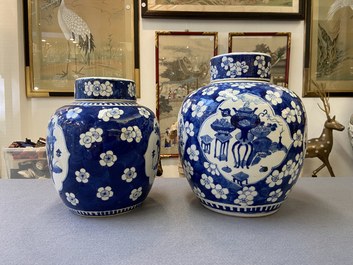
x: 241, y: 138
x: 103, y: 148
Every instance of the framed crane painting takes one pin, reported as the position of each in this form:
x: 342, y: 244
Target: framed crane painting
x: 328, y: 48
x: 182, y: 66
x: 69, y: 39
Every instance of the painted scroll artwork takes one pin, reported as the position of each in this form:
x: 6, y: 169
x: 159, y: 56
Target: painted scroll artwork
x: 234, y: 5
x: 329, y: 49
x: 291, y: 9
x: 182, y: 65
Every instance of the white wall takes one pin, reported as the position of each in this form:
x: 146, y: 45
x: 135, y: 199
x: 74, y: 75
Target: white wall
x: 11, y: 73
x: 26, y: 117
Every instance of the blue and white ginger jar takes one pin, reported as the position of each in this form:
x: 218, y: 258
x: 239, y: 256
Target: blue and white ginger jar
x: 103, y: 148
x: 241, y: 138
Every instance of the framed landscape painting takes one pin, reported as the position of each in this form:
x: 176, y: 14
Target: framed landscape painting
x: 244, y: 9
x: 328, y: 49
x: 276, y: 44
x: 66, y: 40
x: 182, y: 65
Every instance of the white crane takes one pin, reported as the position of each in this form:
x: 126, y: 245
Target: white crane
x: 75, y: 29
x: 337, y: 5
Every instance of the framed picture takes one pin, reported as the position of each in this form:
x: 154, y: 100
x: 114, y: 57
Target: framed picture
x: 182, y: 65
x: 246, y: 9
x: 273, y: 43
x: 65, y: 40
x: 328, y: 48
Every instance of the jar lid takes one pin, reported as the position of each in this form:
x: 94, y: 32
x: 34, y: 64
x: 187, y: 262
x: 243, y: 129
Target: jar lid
x: 105, y: 88
x: 241, y: 65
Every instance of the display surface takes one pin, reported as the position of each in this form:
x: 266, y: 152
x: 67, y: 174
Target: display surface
x: 241, y: 138
x: 275, y: 44
x: 182, y: 65
x: 103, y: 149
x: 248, y: 9
x: 71, y: 39
x: 328, y: 51
x: 171, y: 227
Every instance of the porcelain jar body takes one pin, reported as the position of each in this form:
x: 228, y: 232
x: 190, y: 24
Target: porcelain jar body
x: 103, y: 149
x: 241, y: 138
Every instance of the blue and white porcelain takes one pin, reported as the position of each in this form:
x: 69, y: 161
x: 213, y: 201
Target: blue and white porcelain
x: 103, y: 148
x: 241, y: 138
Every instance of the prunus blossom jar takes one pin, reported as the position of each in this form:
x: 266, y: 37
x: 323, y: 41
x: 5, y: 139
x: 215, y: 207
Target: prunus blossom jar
x: 103, y: 148
x: 242, y: 138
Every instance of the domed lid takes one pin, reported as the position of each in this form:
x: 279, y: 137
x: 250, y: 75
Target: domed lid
x: 241, y: 65
x: 104, y: 88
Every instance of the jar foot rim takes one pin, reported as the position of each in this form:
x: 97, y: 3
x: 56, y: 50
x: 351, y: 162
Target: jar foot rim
x: 241, y: 211
x: 105, y: 213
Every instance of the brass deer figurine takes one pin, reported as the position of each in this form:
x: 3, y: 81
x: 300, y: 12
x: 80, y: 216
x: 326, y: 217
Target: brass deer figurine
x: 321, y: 147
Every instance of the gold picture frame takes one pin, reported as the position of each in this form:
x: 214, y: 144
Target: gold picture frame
x: 65, y: 40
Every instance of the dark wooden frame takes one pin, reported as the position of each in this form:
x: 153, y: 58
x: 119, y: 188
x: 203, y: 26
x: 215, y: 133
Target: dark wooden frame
x: 246, y: 35
x: 335, y: 88
x: 151, y: 10
x: 170, y: 94
x: 68, y: 90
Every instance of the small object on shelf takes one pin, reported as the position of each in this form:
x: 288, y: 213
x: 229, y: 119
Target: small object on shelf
x: 26, y: 162
x: 241, y: 138
x: 103, y: 149
x: 21, y: 144
x: 41, y: 142
x: 321, y: 147
x: 160, y: 167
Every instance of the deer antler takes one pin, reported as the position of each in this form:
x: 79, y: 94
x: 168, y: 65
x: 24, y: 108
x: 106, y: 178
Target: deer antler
x: 320, y: 90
